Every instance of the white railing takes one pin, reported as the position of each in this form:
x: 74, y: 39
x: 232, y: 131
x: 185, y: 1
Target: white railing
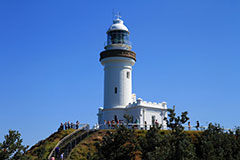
x: 117, y: 45
x: 202, y: 128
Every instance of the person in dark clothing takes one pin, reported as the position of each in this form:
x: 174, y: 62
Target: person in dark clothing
x: 77, y: 124
x: 198, y: 125
x: 69, y: 125
x: 145, y: 123
x: 57, y: 152
x: 72, y: 125
x: 61, y: 127
x: 65, y: 126
x: 115, y: 118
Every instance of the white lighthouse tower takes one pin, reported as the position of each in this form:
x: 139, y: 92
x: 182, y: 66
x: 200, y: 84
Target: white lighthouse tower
x: 118, y: 59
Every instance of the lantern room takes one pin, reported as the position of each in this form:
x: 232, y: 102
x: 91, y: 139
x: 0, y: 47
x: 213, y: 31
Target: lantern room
x: 118, y: 36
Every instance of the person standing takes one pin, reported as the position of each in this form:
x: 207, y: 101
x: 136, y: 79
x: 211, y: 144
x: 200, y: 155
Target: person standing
x: 112, y: 124
x: 69, y: 125
x: 189, y: 126
x: 156, y: 124
x: 61, y: 127
x: 105, y: 123
x: 108, y: 122
x: 72, y: 125
x: 198, y: 125
x: 65, y: 126
x: 77, y: 124
x: 115, y: 118
x: 145, y: 123
x: 62, y: 156
x: 57, y: 149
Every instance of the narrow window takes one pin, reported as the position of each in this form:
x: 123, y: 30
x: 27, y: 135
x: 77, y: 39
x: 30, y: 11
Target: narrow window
x: 128, y: 75
x: 115, y: 90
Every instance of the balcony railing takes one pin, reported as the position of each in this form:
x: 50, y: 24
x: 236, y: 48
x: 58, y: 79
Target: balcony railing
x: 117, y: 45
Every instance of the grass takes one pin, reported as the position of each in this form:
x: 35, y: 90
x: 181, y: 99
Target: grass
x: 86, y: 147
x: 42, y: 149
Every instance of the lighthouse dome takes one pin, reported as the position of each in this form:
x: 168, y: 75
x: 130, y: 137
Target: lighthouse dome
x: 117, y: 25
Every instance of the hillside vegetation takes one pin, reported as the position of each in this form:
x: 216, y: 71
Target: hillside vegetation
x: 87, y: 149
x: 42, y: 149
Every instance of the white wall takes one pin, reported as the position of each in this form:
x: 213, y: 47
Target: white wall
x: 115, y: 75
x: 142, y: 113
x: 149, y: 112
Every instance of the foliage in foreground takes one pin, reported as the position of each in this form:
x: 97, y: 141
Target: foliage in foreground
x: 12, y: 147
x: 121, y: 144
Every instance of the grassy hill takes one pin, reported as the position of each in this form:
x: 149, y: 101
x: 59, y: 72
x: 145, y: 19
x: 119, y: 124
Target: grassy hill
x: 85, y: 148
x: 42, y: 149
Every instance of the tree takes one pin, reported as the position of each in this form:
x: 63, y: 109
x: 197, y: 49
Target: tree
x: 154, y: 146
x: 12, y: 148
x: 118, y: 145
x: 180, y: 143
x: 175, y: 145
x: 176, y: 123
x: 215, y: 143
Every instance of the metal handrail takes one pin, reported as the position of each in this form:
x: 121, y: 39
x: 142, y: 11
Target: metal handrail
x: 66, y: 138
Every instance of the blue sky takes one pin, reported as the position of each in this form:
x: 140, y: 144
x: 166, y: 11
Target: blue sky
x: 188, y: 55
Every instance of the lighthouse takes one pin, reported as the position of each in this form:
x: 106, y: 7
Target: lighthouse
x: 118, y: 60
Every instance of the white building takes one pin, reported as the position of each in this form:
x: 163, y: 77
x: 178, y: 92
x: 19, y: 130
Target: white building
x: 118, y: 59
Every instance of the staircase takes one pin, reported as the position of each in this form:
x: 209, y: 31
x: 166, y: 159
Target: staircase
x: 70, y: 141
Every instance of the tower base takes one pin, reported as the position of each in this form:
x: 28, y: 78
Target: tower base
x: 140, y: 114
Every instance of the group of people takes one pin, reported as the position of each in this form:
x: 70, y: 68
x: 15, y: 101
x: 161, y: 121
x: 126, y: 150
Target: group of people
x: 116, y: 122
x: 197, y: 125
x: 68, y: 125
x: 112, y: 123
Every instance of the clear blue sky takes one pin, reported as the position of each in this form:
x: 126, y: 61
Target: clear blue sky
x: 188, y: 55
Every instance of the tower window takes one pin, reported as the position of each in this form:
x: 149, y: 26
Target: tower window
x: 128, y: 75
x: 115, y: 90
